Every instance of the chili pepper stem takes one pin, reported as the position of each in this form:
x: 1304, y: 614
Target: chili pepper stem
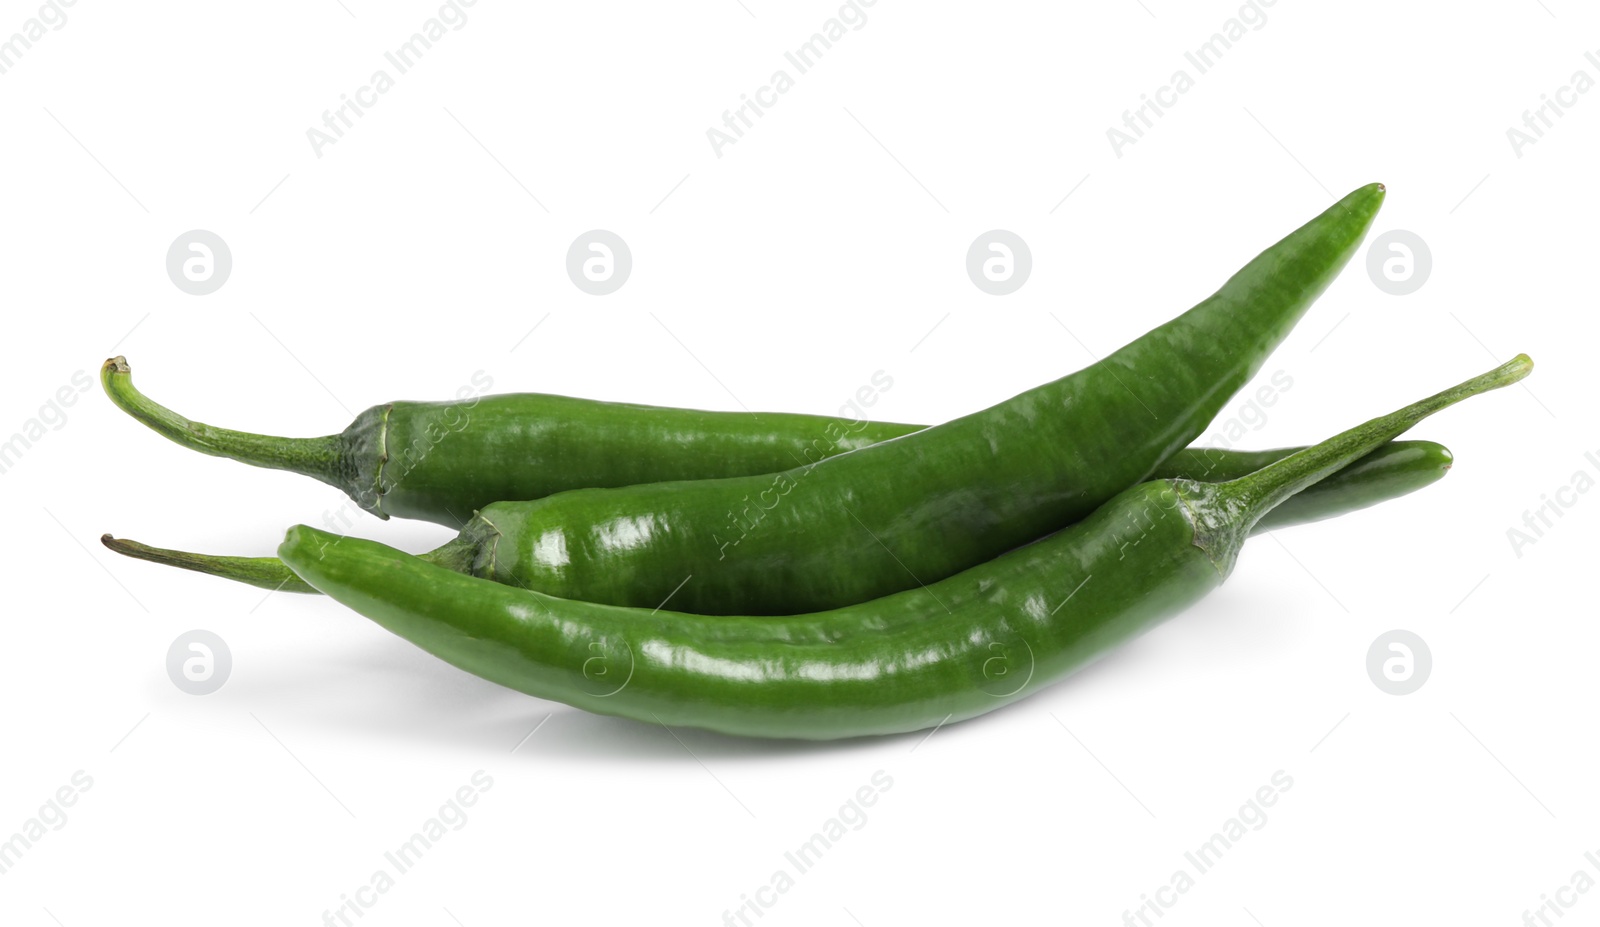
x: 261, y: 572
x: 458, y: 554
x: 319, y: 458
x: 1226, y: 512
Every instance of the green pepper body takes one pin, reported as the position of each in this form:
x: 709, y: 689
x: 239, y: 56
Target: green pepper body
x: 915, y: 509
x: 530, y: 446
x: 916, y: 659
x: 956, y: 649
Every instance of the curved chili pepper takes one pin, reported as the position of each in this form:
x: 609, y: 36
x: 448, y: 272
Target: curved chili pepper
x: 950, y: 651
x: 918, y: 508
x: 442, y: 461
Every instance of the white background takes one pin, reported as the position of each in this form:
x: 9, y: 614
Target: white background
x: 824, y: 246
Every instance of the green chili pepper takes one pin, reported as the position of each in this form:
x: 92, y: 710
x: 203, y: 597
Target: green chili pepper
x: 925, y: 657
x: 918, y: 508
x: 1389, y: 472
x: 442, y: 461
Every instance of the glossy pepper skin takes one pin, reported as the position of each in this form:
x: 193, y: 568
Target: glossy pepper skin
x: 442, y: 461
x: 918, y: 508
x: 1391, y: 471
x: 929, y: 656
